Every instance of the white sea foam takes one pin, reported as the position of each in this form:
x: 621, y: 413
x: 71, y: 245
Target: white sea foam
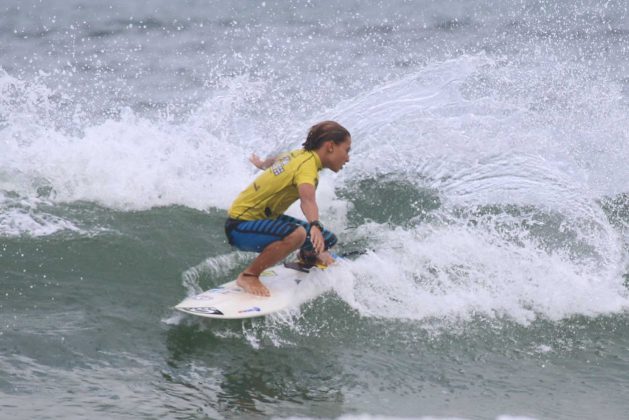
x: 519, y: 175
x: 458, y: 272
x: 520, y: 232
x: 462, y: 111
x: 213, y: 267
x: 128, y: 162
x: 22, y: 216
x: 434, y: 123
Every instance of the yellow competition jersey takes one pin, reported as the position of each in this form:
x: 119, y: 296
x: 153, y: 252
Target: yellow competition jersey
x: 275, y: 189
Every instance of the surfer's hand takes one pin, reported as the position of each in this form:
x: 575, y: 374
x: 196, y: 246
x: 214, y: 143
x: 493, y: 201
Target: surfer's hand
x: 257, y: 162
x: 262, y: 164
x: 316, y: 237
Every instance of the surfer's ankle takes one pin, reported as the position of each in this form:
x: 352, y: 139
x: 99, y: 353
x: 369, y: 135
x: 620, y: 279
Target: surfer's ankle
x: 251, y: 283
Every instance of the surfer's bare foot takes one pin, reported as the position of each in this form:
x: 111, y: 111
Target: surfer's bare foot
x: 252, y: 284
x: 310, y: 259
x: 325, y: 259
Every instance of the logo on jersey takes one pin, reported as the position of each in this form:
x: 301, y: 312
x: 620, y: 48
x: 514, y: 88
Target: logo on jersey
x: 278, y: 166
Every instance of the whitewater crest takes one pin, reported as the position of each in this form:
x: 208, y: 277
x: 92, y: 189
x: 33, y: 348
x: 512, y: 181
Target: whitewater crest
x: 126, y: 162
x: 502, y: 211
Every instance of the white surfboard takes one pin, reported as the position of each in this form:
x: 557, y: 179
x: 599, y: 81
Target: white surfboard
x: 289, y: 288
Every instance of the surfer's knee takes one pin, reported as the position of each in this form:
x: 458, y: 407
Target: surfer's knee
x: 298, y: 236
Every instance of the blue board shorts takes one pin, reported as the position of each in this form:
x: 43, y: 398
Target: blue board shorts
x: 255, y: 235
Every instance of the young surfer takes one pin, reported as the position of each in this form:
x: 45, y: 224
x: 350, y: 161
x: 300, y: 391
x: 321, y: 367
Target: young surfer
x: 256, y: 218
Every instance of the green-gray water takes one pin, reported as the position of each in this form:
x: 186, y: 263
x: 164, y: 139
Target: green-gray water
x: 485, y: 208
x: 85, y: 332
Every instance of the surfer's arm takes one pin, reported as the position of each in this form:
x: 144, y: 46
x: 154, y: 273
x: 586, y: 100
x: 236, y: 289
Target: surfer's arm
x: 262, y: 164
x: 309, y: 207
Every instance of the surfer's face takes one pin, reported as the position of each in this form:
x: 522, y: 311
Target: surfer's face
x: 338, y: 154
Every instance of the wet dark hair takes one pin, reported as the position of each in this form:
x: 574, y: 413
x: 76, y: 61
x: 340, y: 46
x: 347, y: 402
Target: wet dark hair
x: 325, y: 131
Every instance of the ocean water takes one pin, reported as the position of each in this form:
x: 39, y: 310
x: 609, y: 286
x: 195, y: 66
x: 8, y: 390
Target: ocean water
x: 486, y: 206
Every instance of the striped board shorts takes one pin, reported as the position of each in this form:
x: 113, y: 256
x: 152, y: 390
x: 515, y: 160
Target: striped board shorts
x: 255, y: 235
